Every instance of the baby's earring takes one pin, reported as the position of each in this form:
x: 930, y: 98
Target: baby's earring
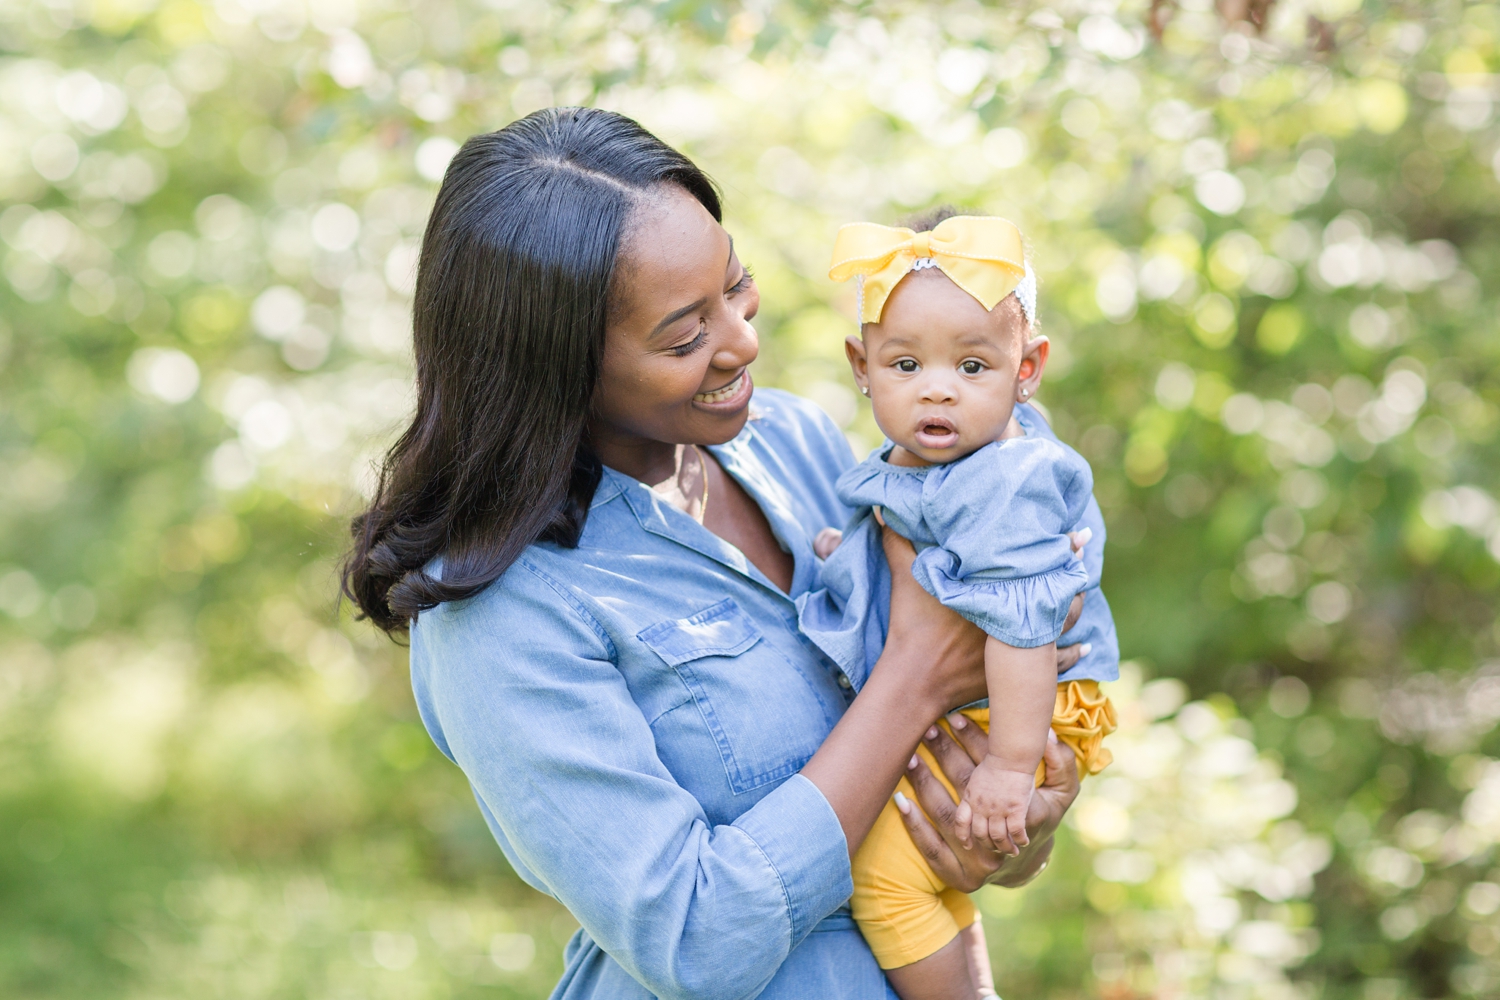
x: 1025, y: 393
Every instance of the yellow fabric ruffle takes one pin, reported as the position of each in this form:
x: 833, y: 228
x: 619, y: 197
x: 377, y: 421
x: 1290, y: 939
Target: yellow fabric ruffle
x: 1081, y: 718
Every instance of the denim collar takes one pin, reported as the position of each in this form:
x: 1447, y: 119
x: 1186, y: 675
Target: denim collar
x: 739, y: 459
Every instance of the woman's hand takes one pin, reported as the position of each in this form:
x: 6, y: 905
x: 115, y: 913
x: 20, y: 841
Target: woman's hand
x: 966, y: 869
x: 943, y: 650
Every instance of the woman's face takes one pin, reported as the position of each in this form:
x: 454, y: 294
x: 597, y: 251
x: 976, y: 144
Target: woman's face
x: 679, y: 340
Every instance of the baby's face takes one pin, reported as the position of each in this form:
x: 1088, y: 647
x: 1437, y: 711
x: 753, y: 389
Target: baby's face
x: 943, y: 373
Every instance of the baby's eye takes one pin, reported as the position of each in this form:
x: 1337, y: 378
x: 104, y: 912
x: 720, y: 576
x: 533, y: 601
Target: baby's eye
x: 971, y: 367
x: 906, y: 365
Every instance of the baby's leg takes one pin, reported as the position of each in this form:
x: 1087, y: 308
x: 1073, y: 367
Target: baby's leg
x: 977, y: 952
x: 906, y: 914
x: 943, y: 975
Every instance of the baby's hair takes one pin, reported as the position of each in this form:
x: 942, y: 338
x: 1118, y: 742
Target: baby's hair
x: 927, y: 221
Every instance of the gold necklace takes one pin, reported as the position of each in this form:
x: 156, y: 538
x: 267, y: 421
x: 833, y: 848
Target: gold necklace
x: 702, y: 471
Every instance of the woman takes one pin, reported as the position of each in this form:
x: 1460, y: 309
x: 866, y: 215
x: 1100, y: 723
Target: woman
x: 596, y: 530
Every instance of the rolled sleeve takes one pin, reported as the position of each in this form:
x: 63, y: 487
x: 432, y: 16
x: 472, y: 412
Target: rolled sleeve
x: 803, y: 841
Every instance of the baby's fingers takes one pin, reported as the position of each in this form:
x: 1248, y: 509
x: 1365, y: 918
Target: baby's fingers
x: 963, y: 824
x: 1015, y: 824
x: 990, y: 834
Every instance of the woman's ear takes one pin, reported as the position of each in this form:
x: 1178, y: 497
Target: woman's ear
x: 1033, y: 362
x: 859, y: 362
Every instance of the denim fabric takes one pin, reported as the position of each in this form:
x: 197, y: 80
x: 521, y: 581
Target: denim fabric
x: 991, y: 533
x: 632, y: 715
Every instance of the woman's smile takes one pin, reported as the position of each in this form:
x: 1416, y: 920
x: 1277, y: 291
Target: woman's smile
x: 727, y: 398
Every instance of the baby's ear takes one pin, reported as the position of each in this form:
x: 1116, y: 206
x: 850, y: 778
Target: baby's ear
x: 859, y: 362
x: 1033, y: 360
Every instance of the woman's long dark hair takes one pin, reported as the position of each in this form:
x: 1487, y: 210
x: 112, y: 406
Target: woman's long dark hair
x: 513, y: 288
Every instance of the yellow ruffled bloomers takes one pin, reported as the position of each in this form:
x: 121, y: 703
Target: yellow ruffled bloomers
x: 904, y: 910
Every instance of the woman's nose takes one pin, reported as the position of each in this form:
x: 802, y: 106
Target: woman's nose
x: 739, y: 346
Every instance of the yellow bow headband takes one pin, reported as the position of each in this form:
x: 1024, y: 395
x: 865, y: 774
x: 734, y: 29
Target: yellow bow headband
x: 983, y: 255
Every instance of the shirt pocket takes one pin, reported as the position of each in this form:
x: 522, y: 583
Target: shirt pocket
x: 763, y: 714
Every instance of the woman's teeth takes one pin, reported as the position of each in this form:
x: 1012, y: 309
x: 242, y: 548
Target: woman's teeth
x: 719, y: 395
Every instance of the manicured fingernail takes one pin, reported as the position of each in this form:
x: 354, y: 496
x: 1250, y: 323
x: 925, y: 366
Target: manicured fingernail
x: 903, y: 804
x: 1085, y: 649
x: 1051, y: 736
x: 911, y: 764
x: 1085, y: 536
x: 932, y: 732
x: 957, y: 721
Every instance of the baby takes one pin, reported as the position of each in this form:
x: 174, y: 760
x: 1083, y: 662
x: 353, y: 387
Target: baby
x: 993, y: 502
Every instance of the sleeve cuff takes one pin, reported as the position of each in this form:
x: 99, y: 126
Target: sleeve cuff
x: 1024, y: 612
x: 798, y: 832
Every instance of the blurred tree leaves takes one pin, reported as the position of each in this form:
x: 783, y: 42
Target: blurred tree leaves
x: 1266, y: 236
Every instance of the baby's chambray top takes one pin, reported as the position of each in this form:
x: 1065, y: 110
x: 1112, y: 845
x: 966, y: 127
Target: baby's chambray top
x: 632, y: 715
x: 991, y: 533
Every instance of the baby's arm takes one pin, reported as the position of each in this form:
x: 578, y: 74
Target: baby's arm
x: 994, y: 806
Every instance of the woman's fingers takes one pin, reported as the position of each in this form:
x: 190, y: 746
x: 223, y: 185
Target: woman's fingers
x: 1057, y: 791
x: 934, y: 799
x: 1062, y: 765
x: 1068, y: 656
x: 932, y: 846
x: 1079, y: 539
x: 972, y: 737
x: 1075, y: 610
x: 957, y: 760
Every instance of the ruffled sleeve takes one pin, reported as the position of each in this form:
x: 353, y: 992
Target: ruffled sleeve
x: 898, y: 491
x: 1021, y: 611
x: 1001, y: 517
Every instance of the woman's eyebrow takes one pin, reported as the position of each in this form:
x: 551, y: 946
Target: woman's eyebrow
x: 675, y: 315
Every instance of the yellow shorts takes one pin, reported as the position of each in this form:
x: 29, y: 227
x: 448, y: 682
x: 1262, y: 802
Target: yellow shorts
x: 904, y: 910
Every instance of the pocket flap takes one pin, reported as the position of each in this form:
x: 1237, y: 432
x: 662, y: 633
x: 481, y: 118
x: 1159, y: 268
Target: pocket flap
x: 720, y: 630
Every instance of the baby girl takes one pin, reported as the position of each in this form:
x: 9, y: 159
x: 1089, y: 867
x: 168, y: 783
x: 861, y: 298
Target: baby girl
x: 994, y: 503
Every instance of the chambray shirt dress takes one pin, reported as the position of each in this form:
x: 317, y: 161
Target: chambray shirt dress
x: 632, y: 715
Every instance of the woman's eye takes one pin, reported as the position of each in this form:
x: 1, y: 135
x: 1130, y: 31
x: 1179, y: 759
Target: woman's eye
x: 747, y: 278
x: 908, y: 366
x: 683, y: 350
x: 971, y: 367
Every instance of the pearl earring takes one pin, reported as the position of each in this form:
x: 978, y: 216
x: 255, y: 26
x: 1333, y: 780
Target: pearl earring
x: 1025, y: 393
x: 865, y: 389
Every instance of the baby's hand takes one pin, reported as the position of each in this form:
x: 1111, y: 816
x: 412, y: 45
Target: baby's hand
x: 827, y: 540
x: 993, y: 810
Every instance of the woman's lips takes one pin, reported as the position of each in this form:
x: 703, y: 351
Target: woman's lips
x: 936, y: 433
x: 727, y: 397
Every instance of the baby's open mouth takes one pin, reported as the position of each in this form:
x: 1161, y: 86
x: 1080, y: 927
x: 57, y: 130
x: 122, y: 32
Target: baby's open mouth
x: 936, y: 432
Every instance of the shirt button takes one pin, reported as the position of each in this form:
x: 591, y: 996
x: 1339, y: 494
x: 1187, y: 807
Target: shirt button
x: 844, y: 682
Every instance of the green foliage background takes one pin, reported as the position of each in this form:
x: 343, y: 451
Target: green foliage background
x: 1266, y: 235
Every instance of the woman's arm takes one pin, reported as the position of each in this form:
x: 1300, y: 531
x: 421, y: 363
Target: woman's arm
x: 520, y: 688
x: 933, y: 661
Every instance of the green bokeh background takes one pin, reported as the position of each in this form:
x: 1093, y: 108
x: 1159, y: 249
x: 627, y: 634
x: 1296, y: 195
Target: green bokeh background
x: 1266, y: 235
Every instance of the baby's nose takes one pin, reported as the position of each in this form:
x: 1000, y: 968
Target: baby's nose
x: 937, y: 387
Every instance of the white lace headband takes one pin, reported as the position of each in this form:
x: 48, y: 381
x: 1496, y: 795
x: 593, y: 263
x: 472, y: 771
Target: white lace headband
x: 1025, y: 292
